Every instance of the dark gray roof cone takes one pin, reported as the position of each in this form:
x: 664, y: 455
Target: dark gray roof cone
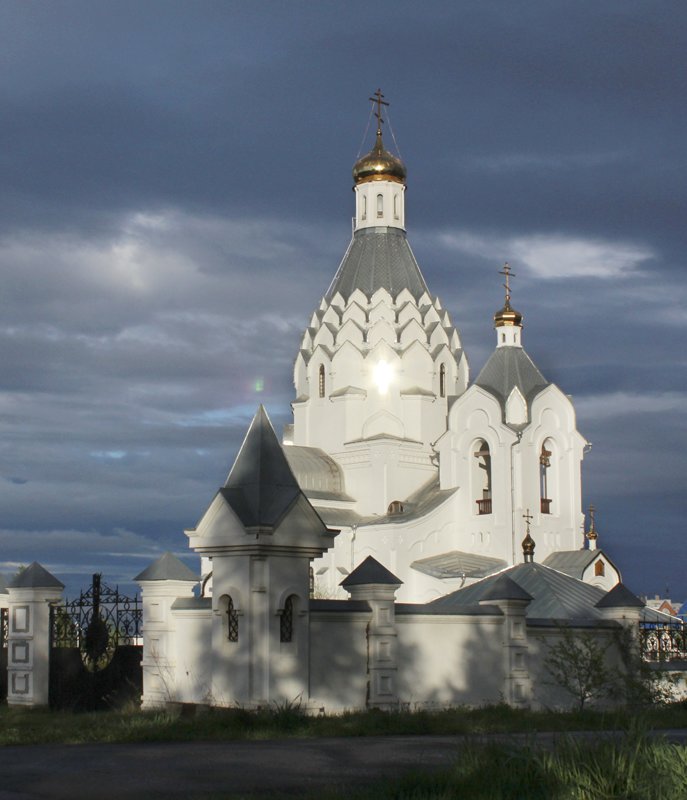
x: 261, y: 486
x: 370, y: 571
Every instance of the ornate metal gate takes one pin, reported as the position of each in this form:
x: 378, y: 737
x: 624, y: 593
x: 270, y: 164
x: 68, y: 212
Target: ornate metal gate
x: 95, y: 649
x: 4, y: 631
x: 663, y: 641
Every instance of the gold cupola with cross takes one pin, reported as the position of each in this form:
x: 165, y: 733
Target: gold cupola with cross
x: 379, y: 181
x: 508, y: 321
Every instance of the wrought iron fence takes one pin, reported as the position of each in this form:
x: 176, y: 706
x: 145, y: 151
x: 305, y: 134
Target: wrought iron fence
x: 97, y: 621
x: 663, y: 641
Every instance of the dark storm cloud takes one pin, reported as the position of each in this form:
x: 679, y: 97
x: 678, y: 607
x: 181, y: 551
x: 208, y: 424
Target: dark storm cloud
x: 175, y: 198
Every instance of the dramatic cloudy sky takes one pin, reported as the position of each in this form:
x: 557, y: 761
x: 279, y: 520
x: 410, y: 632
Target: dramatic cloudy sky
x: 175, y: 197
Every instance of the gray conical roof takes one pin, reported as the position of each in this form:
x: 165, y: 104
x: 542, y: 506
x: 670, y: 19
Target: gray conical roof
x: 508, y: 367
x: 261, y: 486
x: 620, y: 597
x: 35, y: 577
x: 370, y: 571
x: 504, y: 588
x: 167, y: 568
x: 378, y: 258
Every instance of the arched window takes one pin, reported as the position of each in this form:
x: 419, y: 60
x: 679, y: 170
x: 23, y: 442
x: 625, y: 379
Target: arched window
x: 232, y: 620
x: 442, y: 380
x: 286, y: 620
x: 320, y: 380
x: 545, y: 477
x: 482, y: 477
x: 380, y: 205
x: 395, y: 206
x: 599, y: 569
x: 364, y: 214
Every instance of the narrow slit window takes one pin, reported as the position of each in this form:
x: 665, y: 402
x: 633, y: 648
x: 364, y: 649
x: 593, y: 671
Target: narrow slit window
x: 232, y: 621
x: 364, y: 209
x: 320, y: 381
x: 395, y: 206
x: 286, y: 621
x: 380, y: 205
x: 442, y: 380
x: 545, y: 478
x: 482, y: 478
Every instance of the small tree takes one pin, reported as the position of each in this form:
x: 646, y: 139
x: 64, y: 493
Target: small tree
x: 577, y: 663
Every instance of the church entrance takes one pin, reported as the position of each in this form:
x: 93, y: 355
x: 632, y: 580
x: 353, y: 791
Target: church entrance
x: 95, y: 650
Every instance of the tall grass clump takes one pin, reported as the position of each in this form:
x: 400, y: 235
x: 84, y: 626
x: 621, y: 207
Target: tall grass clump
x: 632, y: 767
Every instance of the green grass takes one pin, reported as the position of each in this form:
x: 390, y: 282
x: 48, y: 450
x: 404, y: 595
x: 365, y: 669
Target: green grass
x: 633, y: 767
x: 26, y: 726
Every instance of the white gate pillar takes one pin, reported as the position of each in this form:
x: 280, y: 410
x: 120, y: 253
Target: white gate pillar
x: 31, y: 594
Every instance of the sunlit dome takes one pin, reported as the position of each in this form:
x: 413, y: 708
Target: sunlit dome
x: 379, y: 165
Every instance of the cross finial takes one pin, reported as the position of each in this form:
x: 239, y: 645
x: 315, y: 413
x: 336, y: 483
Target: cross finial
x: 528, y: 544
x: 528, y: 519
x: 507, y: 272
x: 592, y: 510
x: 379, y: 99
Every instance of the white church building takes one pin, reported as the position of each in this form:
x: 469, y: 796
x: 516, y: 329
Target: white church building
x: 416, y: 538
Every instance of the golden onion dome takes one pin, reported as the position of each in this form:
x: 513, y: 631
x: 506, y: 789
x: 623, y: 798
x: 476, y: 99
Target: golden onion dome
x: 507, y: 316
x: 379, y: 165
x: 528, y: 546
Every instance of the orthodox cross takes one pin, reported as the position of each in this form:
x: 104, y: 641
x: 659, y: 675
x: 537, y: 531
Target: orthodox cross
x: 592, y: 510
x: 528, y: 518
x: 380, y: 102
x: 506, y: 271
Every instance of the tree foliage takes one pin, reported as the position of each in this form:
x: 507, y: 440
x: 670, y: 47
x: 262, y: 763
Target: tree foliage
x: 577, y: 663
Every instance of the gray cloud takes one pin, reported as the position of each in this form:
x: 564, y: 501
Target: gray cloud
x: 176, y: 199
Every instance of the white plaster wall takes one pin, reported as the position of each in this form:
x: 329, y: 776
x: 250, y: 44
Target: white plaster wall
x: 338, y: 660
x: 193, y: 659
x: 442, y: 660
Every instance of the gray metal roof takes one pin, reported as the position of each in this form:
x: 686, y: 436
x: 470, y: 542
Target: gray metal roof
x: 318, y: 475
x: 425, y: 609
x: 338, y: 517
x: 554, y: 595
x: 508, y: 367
x: 458, y: 564
x: 340, y: 606
x: 575, y: 562
x: 192, y: 604
x: 572, y: 562
x: 370, y: 571
x: 167, y: 568
x: 418, y: 504
x: 378, y: 258
x: 35, y: 577
x: 261, y: 486
x: 504, y: 588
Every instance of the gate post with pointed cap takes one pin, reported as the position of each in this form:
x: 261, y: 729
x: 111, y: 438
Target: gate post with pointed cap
x: 374, y: 583
x: 163, y: 582
x: 31, y: 595
x: 512, y: 600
